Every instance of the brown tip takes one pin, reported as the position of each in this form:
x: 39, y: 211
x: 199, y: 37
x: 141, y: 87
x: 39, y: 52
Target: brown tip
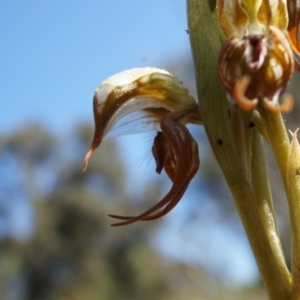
x: 285, y: 107
x: 239, y: 94
x: 87, y: 158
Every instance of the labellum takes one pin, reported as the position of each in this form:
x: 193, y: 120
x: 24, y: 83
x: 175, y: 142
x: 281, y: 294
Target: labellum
x: 146, y: 99
x: 256, y: 61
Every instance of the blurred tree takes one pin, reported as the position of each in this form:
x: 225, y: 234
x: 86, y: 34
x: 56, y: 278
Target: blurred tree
x: 71, y: 252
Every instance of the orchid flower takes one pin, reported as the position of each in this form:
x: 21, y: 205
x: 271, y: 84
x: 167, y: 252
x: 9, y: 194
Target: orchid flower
x: 239, y: 85
x: 253, y: 66
x: 256, y: 60
x: 145, y: 99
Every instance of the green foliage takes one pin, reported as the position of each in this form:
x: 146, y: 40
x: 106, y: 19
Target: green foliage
x: 73, y: 253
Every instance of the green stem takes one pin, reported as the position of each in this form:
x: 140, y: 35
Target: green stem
x: 205, y: 43
x: 282, y: 149
x: 263, y: 196
x: 288, y: 159
x: 293, y: 195
x: 271, y: 264
x: 261, y: 188
x: 278, y: 139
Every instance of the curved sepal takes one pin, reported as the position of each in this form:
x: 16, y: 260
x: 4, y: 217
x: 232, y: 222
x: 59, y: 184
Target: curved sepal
x: 135, y: 101
x: 176, y: 151
x: 248, y: 17
x: 294, y: 26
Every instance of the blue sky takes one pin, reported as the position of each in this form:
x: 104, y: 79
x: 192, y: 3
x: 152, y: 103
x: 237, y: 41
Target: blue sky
x: 55, y: 53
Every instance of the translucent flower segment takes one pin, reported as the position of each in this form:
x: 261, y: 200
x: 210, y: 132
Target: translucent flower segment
x: 146, y: 99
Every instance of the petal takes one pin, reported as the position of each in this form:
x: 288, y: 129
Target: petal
x: 273, y: 13
x: 176, y: 140
x: 134, y: 97
x: 232, y: 17
x: 255, y: 67
x: 161, y: 151
x: 239, y: 94
x: 280, y: 17
x: 248, y: 17
x: 164, y: 156
x: 294, y: 25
